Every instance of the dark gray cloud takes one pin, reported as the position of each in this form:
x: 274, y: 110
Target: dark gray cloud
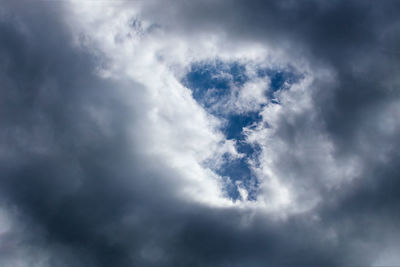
x: 84, y: 194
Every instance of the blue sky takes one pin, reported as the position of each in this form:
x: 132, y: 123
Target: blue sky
x: 213, y: 83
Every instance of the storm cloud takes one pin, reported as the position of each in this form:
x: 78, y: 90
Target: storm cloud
x: 204, y: 133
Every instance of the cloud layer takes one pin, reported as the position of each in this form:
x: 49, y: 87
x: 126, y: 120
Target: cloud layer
x: 209, y: 133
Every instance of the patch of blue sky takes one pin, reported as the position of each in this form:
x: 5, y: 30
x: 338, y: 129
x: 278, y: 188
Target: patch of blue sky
x: 280, y: 79
x: 238, y: 170
x: 236, y: 122
x: 212, y: 84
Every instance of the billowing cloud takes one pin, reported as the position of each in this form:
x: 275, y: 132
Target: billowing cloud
x: 206, y: 133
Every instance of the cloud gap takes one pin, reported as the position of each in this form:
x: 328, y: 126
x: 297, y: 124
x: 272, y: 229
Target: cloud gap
x: 218, y: 87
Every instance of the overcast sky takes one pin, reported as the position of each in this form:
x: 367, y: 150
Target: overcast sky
x: 199, y: 133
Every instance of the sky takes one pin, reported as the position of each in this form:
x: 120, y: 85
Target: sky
x: 199, y: 133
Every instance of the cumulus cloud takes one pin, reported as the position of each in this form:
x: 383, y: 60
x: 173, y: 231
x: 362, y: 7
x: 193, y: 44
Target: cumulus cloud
x: 209, y: 133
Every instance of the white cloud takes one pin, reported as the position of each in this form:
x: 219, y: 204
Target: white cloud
x: 172, y: 126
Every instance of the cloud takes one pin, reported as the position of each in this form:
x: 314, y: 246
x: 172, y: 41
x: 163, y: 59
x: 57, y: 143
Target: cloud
x: 108, y: 157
